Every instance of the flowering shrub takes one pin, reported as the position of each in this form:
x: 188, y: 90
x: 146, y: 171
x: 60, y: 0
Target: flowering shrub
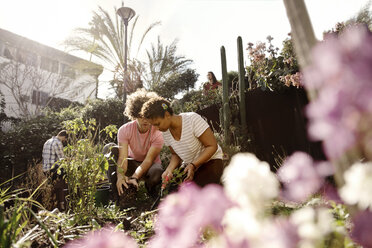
x: 270, y: 70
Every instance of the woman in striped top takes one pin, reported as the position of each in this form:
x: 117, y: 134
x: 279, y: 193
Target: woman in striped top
x: 190, y: 140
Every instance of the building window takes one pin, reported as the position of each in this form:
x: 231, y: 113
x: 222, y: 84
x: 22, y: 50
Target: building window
x: 24, y: 98
x: 21, y: 57
x: 54, y: 67
x: 39, y: 98
x: 31, y: 58
x: 68, y: 71
x: 45, y: 63
x: 48, y: 64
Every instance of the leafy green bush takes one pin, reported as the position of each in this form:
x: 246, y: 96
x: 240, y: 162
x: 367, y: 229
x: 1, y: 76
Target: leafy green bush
x: 176, y: 83
x: 196, y: 100
x: 57, y: 104
x: 105, y: 112
x: 23, y: 144
x: 84, y: 165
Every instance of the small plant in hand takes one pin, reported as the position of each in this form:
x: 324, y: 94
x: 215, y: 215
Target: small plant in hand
x: 170, y: 185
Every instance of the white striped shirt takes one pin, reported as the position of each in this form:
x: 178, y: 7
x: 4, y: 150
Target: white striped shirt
x: 189, y: 147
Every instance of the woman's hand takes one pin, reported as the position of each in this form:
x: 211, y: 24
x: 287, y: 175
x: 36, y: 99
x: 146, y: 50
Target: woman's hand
x: 122, y: 181
x: 190, y: 170
x: 167, y: 175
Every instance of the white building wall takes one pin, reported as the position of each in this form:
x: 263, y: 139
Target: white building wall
x: 53, y: 82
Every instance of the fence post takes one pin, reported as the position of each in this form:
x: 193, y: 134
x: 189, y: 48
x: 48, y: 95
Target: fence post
x: 302, y: 33
x: 242, y: 87
x: 225, y: 98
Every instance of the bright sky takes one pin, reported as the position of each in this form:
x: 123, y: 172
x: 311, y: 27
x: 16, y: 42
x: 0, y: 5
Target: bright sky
x: 201, y: 26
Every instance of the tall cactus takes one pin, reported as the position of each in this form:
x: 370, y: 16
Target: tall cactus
x: 242, y: 86
x: 225, y: 98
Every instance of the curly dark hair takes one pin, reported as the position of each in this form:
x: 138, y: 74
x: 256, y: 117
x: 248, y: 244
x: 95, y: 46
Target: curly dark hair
x: 156, y: 107
x: 135, y: 102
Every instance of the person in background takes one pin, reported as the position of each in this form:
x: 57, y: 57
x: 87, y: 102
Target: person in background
x: 139, y: 147
x: 53, y: 151
x: 212, y: 83
x: 190, y: 140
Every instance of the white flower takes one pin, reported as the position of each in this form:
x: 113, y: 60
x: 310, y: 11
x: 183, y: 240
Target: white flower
x: 249, y: 182
x: 241, y: 224
x: 358, y: 185
x: 313, y: 224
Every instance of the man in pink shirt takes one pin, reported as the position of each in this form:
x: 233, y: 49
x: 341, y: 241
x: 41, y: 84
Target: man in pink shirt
x: 139, y: 147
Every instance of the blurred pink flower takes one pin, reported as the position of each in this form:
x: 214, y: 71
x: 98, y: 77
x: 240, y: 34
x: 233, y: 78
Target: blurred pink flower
x: 184, y: 214
x: 281, y: 233
x: 330, y: 193
x: 342, y: 76
x: 302, y: 177
x: 361, y: 232
x: 106, y: 237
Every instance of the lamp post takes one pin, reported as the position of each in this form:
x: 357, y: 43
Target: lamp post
x: 126, y: 15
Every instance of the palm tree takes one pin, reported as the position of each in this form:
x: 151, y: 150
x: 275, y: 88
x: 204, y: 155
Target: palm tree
x: 105, y: 40
x: 163, y: 63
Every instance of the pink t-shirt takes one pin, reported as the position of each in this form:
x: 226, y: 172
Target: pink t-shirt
x: 139, y: 143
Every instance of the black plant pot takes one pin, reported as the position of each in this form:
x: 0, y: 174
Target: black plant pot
x: 102, y: 195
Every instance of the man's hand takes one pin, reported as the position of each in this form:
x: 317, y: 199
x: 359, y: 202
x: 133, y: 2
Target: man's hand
x: 122, y: 181
x: 133, y: 181
x: 189, y: 170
